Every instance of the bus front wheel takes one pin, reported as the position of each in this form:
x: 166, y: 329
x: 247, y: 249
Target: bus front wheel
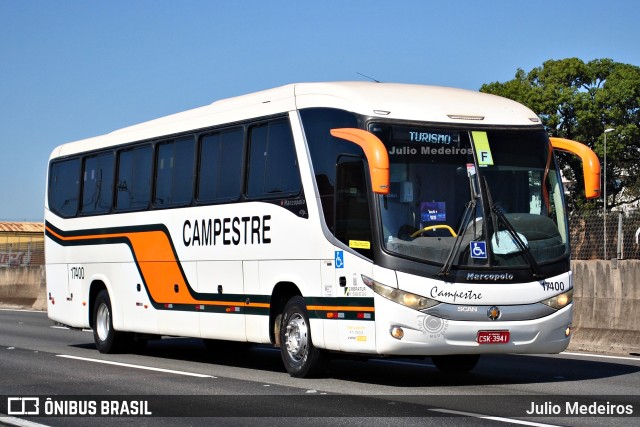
x: 107, y: 339
x: 301, y: 358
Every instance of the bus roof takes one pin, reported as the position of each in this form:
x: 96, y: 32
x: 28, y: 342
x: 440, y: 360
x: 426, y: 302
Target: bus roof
x: 387, y: 100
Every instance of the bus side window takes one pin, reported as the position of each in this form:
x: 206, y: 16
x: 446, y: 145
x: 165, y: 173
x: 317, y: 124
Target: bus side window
x: 324, y: 149
x: 64, y: 187
x: 273, y: 167
x: 134, y: 179
x: 221, y: 159
x: 174, y: 173
x: 97, y: 186
x: 353, y: 219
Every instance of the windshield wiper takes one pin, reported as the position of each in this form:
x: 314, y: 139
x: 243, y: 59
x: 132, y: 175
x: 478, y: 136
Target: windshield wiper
x: 496, y: 213
x: 470, y: 208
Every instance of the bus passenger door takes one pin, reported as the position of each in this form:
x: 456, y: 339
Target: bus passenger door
x: 352, y: 322
x: 353, y: 327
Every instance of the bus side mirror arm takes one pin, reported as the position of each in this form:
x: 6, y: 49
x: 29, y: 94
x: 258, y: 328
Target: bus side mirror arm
x: 376, y: 154
x: 590, y: 163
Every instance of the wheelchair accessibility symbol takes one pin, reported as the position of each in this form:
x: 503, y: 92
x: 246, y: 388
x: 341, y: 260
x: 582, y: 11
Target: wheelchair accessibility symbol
x: 478, y: 249
x: 339, y: 259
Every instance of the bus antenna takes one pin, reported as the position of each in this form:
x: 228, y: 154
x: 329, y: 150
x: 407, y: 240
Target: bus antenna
x: 367, y: 77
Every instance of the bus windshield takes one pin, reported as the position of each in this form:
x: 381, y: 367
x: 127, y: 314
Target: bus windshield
x: 472, y: 198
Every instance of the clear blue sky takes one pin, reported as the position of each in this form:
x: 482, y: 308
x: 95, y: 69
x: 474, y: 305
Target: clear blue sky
x: 75, y: 69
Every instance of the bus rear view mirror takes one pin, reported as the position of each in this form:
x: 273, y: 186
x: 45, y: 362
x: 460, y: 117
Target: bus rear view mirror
x: 590, y: 163
x: 376, y: 154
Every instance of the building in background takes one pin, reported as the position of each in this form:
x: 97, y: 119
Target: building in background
x: 21, y: 244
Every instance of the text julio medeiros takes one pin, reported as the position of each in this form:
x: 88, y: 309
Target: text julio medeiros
x: 578, y: 408
x: 426, y: 150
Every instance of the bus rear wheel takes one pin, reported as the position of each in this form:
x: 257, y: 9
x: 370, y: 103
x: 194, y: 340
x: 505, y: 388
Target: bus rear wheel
x: 107, y: 339
x: 301, y: 358
x: 456, y: 363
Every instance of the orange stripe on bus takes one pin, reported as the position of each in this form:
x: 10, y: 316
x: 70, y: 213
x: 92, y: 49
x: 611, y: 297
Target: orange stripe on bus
x: 158, y: 265
x: 338, y: 308
x: 258, y: 305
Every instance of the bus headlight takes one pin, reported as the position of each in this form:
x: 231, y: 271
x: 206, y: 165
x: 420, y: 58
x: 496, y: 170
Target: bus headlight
x: 560, y: 301
x: 416, y: 302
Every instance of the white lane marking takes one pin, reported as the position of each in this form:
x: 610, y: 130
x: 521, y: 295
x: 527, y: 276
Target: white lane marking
x: 637, y: 359
x: 500, y: 419
x: 69, y: 329
x: 128, y: 365
x: 18, y: 422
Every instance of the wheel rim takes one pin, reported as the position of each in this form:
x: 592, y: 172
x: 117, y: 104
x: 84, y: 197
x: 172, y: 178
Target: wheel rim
x: 103, y: 322
x: 295, y: 337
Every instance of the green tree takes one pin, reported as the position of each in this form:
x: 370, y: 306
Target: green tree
x: 578, y: 100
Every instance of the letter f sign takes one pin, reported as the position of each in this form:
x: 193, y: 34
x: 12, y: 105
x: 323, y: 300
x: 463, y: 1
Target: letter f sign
x: 483, y: 150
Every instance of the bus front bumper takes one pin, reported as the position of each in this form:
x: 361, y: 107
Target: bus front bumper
x: 402, y: 331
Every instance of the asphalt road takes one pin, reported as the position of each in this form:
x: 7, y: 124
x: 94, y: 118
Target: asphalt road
x: 179, y: 382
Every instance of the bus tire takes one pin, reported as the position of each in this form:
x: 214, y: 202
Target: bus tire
x: 456, y: 363
x: 301, y: 358
x: 107, y: 339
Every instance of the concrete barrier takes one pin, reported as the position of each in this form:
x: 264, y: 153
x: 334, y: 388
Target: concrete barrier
x: 23, y: 287
x: 606, y: 306
x: 606, y: 316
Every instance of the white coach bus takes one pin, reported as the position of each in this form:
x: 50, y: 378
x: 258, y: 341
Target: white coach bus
x: 366, y: 218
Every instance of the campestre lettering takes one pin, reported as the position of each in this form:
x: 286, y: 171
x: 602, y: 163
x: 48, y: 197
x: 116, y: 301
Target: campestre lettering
x: 466, y: 295
x: 246, y: 230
